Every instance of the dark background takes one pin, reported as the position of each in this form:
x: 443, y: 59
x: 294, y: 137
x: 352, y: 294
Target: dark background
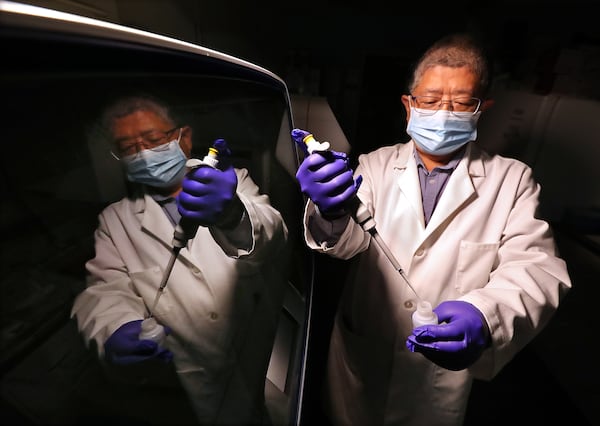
x: 357, y: 55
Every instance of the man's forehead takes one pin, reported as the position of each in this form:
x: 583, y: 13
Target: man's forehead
x: 441, y: 79
x: 144, y: 118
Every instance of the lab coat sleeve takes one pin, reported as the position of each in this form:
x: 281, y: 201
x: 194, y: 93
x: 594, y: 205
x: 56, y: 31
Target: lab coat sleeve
x: 132, y: 243
x: 340, y: 238
x: 526, y: 286
x: 109, y: 300
x: 260, y: 233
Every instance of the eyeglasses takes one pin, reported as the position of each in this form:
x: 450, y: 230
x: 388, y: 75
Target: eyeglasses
x: 154, y: 140
x: 429, y: 105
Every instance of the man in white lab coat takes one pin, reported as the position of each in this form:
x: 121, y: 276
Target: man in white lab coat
x: 461, y: 223
x: 222, y: 301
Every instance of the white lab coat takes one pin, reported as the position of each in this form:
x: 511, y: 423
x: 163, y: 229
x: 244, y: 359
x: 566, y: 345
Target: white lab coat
x: 483, y: 245
x: 221, y: 302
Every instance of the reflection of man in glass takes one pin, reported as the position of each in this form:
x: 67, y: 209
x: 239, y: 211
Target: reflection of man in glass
x: 219, y: 307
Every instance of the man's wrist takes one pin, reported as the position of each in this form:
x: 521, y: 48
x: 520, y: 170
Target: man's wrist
x: 332, y: 214
x: 233, y: 214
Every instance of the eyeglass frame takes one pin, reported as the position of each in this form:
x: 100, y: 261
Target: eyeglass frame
x: 145, y: 147
x: 441, y: 101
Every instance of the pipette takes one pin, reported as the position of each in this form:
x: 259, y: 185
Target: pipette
x: 184, y: 230
x: 360, y: 213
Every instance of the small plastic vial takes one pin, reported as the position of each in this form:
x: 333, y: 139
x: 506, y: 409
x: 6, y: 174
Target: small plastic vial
x: 424, y: 315
x: 151, y: 330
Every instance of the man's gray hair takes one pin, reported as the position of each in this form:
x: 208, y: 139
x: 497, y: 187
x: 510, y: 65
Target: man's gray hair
x: 455, y: 51
x: 131, y: 104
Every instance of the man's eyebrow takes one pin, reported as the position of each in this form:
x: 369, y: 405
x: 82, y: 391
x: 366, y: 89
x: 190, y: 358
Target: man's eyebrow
x: 145, y: 132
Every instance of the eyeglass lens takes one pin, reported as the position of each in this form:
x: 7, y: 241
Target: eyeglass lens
x: 434, y: 103
x: 148, y: 140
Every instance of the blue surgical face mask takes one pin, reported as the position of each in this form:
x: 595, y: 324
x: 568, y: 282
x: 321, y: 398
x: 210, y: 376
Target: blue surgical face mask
x: 443, y: 132
x: 159, y: 168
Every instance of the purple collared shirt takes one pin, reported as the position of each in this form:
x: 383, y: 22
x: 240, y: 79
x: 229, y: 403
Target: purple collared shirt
x: 433, y: 182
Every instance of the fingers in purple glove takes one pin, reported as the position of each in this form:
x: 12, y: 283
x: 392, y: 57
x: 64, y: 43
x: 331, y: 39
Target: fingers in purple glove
x: 332, y: 194
x: 144, y: 350
x: 358, y: 182
x: 221, y: 146
x: 202, y: 175
x: 339, y: 155
x: 421, y: 339
x: 298, y: 135
x: 206, y: 193
x: 165, y: 355
x: 316, y: 168
x: 441, y: 332
x: 458, y: 342
x: 317, y: 160
x: 124, y: 347
x: 130, y: 351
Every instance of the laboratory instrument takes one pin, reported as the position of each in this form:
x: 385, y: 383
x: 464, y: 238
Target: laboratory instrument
x: 358, y: 210
x: 184, y: 229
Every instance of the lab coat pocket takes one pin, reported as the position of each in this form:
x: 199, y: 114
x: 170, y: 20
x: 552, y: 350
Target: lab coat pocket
x: 474, y: 265
x: 361, y: 366
x: 451, y: 394
x: 204, y: 391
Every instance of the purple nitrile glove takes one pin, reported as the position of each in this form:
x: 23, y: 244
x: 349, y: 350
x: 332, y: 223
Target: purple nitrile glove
x: 326, y: 178
x: 328, y: 181
x: 124, y: 347
x: 207, y: 192
x: 298, y: 135
x: 224, y: 153
x: 458, y: 341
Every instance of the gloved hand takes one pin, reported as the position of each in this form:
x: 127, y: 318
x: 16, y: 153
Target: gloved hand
x: 124, y: 347
x: 326, y: 178
x: 208, y: 194
x: 458, y: 341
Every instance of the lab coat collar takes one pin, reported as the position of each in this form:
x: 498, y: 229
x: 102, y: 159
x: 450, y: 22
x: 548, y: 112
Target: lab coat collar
x: 153, y: 219
x: 403, y: 156
x: 156, y: 223
x: 459, y: 190
x: 475, y: 163
x: 408, y: 180
x: 472, y: 154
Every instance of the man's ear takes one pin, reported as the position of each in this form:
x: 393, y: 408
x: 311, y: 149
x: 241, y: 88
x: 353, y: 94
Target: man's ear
x: 186, y: 140
x: 406, y: 104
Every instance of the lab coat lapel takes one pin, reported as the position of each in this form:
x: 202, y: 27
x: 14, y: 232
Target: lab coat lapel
x: 409, y: 183
x: 458, y: 190
x: 155, y: 221
x: 414, y: 223
x: 157, y: 224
